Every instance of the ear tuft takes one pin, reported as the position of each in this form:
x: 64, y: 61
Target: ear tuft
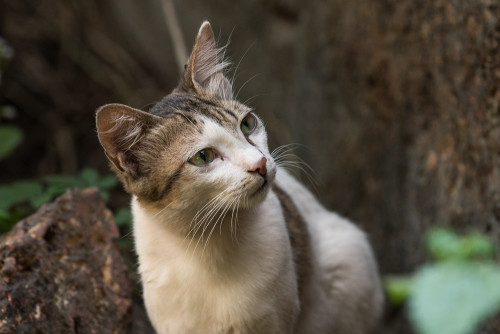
x: 205, y: 67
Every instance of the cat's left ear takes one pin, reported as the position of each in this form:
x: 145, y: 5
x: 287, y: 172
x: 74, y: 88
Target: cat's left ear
x: 205, y: 67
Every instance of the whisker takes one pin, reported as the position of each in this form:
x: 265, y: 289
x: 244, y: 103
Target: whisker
x: 233, y: 214
x: 236, y: 218
x: 208, y: 207
x: 304, y: 168
x: 241, y: 59
x: 283, y: 157
x: 230, y: 205
x: 126, y: 235
x: 209, y: 203
x: 208, y: 218
x: 288, y: 147
x: 205, y: 222
x: 251, y: 98
x: 244, y: 84
x: 160, y: 211
x: 219, y: 220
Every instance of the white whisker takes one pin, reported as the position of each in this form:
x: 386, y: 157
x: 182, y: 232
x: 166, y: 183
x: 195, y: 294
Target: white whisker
x: 208, y: 207
x: 238, y: 65
x: 251, y: 98
x: 283, y: 157
x: 244, y: 84
x: 206, y: 220
x: 219, y: 220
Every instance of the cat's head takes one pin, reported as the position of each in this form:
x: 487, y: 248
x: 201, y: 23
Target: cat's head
x: 197, y: 144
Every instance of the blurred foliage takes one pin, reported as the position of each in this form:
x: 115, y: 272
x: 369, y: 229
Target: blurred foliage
x: 21, y: 198
x: 123, y: 217
x: 10, y: 138
x: 88, y: 177
x: 6, y: 54
x: 444, y: 245
x: 456, y: 292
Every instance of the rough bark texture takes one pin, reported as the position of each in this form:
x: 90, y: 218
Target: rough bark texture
x: 397, y: 102
x: 61, y: 271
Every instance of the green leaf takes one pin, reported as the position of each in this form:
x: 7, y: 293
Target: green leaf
x: 10, y: 138
x: 475, y: 245
x: 26, y: 189
x: 89, y: 176
x: 41, y: 199
x: 9, y: 219
x: 4, y: 215
x: 123, y: 217
x: 445, y: 245
x: 397, y: 288
x: 6, y: 222
x: 6, y: 200
x: 18, y: 192
x: 107, y: 182
x: 53, y: 190
x: 105, y: 194
x: 454, y: 297
x: 442, y: 244
x: 62, y: 181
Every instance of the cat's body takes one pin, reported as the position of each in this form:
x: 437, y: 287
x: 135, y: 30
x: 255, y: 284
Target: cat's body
x: 247, y: 283
x: 227, y: 241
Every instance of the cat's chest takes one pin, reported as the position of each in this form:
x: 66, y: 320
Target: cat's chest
x: 192, y: 300
x: 243, y: 287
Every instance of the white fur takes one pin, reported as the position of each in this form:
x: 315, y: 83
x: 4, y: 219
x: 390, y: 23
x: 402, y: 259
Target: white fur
x: 346, y: 294
x: 187, y: 293
x: 243, y: 280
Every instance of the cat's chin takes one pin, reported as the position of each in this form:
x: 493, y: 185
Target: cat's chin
x: 256, y: 196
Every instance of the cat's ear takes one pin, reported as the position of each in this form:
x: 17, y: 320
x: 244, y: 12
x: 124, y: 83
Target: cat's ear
x: 205, y: 67
x: 120, y: 128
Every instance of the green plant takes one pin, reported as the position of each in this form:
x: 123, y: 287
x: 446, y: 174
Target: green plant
x: 88, y: 177
x: 10, y: 138
x: 123, y: 217
x: 456, y: 292
x: 21, y: 198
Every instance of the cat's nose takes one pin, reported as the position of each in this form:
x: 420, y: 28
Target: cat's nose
x: 259, y: 167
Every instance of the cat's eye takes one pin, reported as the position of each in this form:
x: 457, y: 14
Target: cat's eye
x: 248, y: 124
x: 203, y: 157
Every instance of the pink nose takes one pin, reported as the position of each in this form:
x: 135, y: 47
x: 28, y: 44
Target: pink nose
x: 259, y: 167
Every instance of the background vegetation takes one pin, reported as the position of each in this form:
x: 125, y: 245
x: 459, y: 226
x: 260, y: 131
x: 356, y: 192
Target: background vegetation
x: 396, y: 104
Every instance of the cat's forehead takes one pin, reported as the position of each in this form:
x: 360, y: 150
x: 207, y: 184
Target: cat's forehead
x: 195, y: 108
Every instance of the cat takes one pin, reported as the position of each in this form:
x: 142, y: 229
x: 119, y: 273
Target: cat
x: 227, y: 240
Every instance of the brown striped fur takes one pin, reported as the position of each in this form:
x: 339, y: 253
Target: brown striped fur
x: 299, y: 240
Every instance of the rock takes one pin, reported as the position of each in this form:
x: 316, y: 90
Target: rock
x: 61, y: 271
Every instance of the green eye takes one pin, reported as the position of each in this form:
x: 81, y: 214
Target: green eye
x: 203, y: 157
x: 248, y: 124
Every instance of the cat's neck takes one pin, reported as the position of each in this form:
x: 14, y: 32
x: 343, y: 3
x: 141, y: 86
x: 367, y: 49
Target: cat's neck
x: 210, y: 239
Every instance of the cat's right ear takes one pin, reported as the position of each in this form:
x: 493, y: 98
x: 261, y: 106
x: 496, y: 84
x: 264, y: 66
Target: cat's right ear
x: 120, y: 128
x: 205, y: 67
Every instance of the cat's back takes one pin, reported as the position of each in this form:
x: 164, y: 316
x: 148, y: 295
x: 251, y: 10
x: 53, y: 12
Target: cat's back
x: 340, y: 275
